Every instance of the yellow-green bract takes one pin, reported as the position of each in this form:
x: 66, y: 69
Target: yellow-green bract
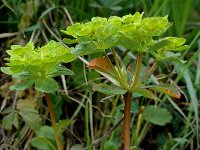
x: 133, y: 32
x: 38, y: 65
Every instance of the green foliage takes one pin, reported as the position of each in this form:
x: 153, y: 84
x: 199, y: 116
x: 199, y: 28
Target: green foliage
x: 109, y: 145
x: 158, y: 116
x: 38, y: 65
x: 25, y: 110
x: 131, y: 31
x: 11, y: 119
x: 106, y: 89
x: 44, y: 139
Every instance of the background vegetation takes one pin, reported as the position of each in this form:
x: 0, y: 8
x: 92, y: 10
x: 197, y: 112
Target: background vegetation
x: 97, y: 117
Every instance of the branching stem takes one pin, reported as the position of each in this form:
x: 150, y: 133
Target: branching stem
x: 137, y: 70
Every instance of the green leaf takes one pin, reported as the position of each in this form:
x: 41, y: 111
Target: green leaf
x: 31, y: 117
x: 43, y: 143
x: 46, y: 132
x: 22, y: 86
x: 70, y: 41
x: 146, y: 93
x: 17, y: 68
x: 48, y: 85
x: 166, y: 89
x: 86, y: 48
x: 158, y: 45
x: 6, y: 70
x: 62, y: 124
x: 109, y: 145
x: 106, y: 89
x: 60, y: 70
x: 10, y: 120
x: 22, y: 75
x: 158, y: 116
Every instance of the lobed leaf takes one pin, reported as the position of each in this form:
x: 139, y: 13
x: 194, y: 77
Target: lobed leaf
x: 158, y: 116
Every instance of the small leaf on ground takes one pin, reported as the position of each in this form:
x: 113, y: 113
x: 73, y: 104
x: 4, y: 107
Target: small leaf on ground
x: 158, y: 116
x: 10, y: 120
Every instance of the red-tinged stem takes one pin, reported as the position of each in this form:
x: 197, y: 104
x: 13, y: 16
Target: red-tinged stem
x: 126, y: 128
x: 53, y: 121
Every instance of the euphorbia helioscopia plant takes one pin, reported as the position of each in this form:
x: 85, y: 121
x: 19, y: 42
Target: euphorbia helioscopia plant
x: 38, y: 66
x: 138, y: 34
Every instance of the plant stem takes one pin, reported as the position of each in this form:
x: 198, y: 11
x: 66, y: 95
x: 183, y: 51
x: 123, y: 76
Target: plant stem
x: 53, y: 121
x: 137, y: 70
x: 126, y: 128
x: 116, y: 73
x: 138, y: 126
x: 118, y: 66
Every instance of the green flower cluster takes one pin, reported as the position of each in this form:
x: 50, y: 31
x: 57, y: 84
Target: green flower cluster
x: 130, y: 31
x: 38, y: 65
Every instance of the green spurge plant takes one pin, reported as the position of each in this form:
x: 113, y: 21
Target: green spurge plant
x: 38, y: 67
x: 138, y: 34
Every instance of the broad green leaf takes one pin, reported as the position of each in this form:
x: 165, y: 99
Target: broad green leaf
x: 166, y: 89
x: 155, y: 26
x: 22, y: 86
x: 31, y: 117
x: 43, y: 143
x: 24, y: 75
x: 132, y: 18
x: 86, y: 48
x: 158, y: 45
x: 46, y: 132
x: 106, y: 89
x: 48, y: 85
x: 60, y: 70
x: 109, y: 145
x: 10, y: 120
x: 67, y: 57
x: 6, y: 70
x: 158, y: 116
x: 146, y: 93
x: 17, y: 68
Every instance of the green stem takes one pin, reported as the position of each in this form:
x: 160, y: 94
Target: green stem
x: 145, y: 76
x: 139, y: 122
x: 137, y: 70
x: 53, y: 121
x: 117, y: 76
x: 126, y: 128
x: 119, y: 68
